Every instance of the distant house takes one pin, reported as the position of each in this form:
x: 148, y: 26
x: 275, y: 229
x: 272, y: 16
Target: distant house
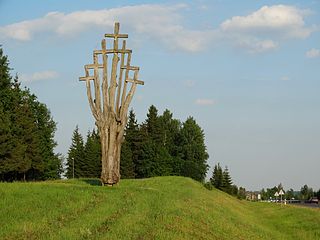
x: 253, y: 196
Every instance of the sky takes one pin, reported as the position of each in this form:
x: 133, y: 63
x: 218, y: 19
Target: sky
x: 247, y: 71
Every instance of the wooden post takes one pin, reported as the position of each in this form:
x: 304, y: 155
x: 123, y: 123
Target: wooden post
x: 111, y: 100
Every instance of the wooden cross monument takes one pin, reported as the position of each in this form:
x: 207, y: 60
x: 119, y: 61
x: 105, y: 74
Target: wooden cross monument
x: 114, y: 86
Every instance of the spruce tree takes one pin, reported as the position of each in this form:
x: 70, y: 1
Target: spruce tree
x: 26, y: 132
x: 25, y: 159
x: 227, y: 181
x: 154, y: 158
x: 127, y: 169
x: 193, y: 150
x: 46, y: 128
x: 130, y: 150
x: 6, y: 143
x: 131, y: 136
x: 92, y: 159
x: 5, y: 78
x: 217, y: 177
x: 76, y: 156
x: 152, y: 124
x: 170, y: 129
x: 140, y: 140
x: 30, y: 162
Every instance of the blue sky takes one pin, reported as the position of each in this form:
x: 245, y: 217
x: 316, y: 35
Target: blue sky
x: 248, y: 72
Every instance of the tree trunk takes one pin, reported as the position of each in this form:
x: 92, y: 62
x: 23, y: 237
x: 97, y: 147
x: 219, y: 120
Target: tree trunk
x: 111, y: 140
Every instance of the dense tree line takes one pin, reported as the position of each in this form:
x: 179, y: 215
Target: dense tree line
x: 26, y: 132
x: 159, y: 146
x: 305, y: 193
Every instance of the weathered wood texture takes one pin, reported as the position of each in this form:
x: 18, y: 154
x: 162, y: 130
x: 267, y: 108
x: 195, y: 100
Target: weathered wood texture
x: 110, y: 99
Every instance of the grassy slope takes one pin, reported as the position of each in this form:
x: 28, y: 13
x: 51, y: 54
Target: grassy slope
x: 156, y: 208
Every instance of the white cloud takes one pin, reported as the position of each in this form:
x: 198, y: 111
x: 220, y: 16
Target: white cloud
x: 257, y: 46
x: 313, y: 53
x: 258, y: 32
x: 38, y: 76
x: 280, y: 19
x: 204, y: 102
x: 158, y: 22
x: 266, y: 28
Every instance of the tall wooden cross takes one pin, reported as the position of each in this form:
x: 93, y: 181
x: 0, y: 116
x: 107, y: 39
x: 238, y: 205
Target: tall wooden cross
x: 114, y: 87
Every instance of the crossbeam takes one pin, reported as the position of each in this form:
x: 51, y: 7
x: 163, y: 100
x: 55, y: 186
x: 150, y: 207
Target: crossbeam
x: 133, y: 68
x: 110, y: 35
x: 93, y: 66
x: 116, y: 33
x: 86, y: 78
x: 112, y: 51
x: 135, y: 81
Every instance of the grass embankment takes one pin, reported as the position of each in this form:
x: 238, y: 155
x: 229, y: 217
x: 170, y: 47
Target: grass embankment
x: 156, y: 208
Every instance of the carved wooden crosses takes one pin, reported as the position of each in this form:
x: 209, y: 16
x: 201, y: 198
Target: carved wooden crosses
x: 113, y: 92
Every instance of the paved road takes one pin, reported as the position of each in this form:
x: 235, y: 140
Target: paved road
x: 310, y: 205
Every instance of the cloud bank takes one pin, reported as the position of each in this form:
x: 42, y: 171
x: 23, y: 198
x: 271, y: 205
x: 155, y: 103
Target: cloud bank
x: 260, y: 31
x: 159, y: 22
x: 264, y: 29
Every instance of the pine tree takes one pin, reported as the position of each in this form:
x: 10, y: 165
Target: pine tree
x: 170, y: 129
x: 46, y: 128
x: 126, y: 162
x: 131, y: 147
x: 217, y: 177
x: 140, y: 141
x: 193, y: 151
x: 31, y: 163
x: 5, y: 78
x: 156, y: 160
x: 227, y: 181
x: 26, y: 132
x: 25, y: 160
x: 92, y: 159
x: 153, y: 124
x: 6, y: 143
x: 132, y: 127
x: 76, y: 155
x: 131, y: 136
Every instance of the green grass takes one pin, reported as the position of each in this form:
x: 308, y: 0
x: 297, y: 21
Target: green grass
x: 155, y: 208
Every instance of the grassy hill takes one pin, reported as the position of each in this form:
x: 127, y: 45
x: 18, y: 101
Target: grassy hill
x: 155, y: 208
